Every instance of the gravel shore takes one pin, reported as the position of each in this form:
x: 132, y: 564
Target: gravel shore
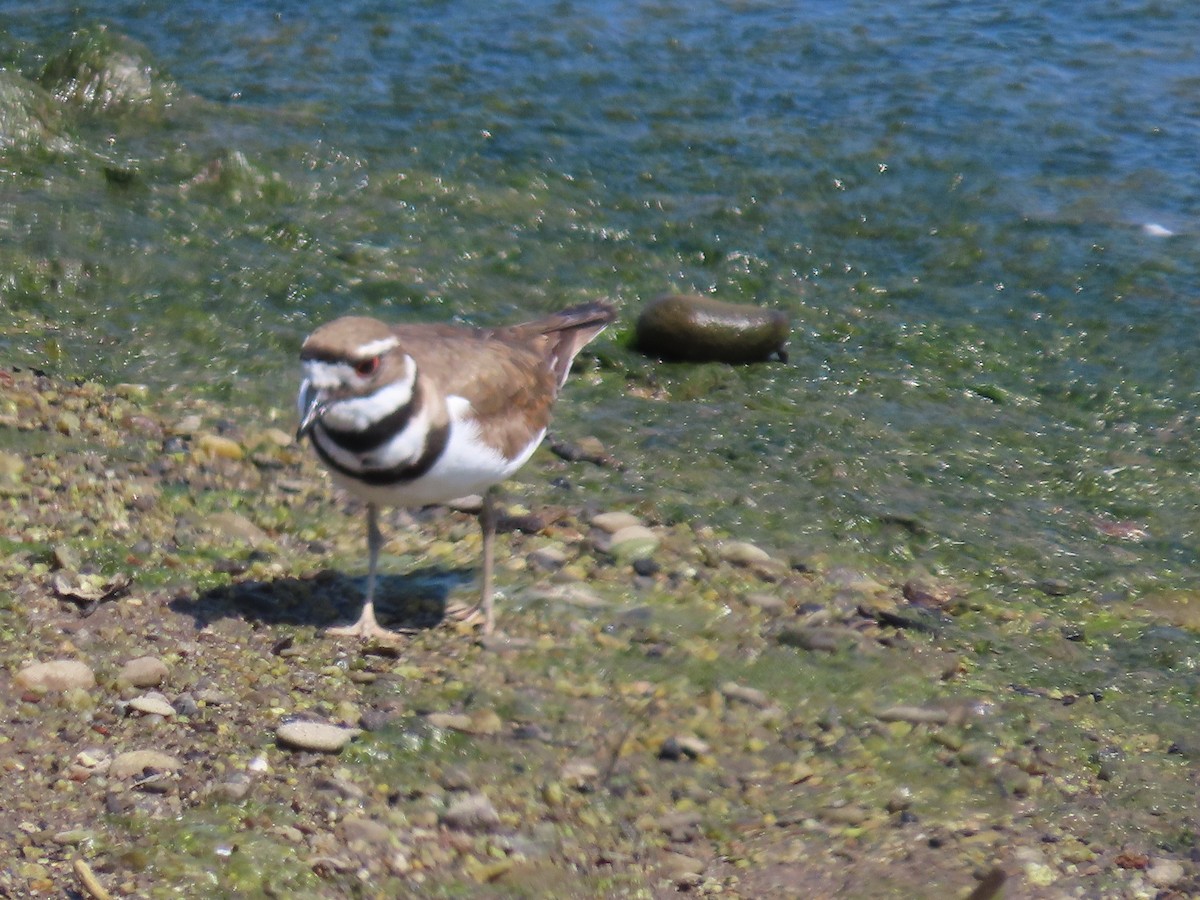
x: 667, y: 709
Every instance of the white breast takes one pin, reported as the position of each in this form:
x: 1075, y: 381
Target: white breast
x: 466, y: 466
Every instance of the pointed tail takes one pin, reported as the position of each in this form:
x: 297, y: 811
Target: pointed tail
x: 567, y: 332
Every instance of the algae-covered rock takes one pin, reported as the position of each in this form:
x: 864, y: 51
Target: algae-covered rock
x: 100, y: 71
x: 701, y: 329
x: 29, y: 116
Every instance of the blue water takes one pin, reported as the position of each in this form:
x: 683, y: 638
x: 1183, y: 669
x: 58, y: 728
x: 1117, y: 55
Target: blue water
x: 982, y: 219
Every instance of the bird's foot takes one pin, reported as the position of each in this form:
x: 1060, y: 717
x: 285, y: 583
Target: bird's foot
x: 463, y: 614
x: 369, y: 631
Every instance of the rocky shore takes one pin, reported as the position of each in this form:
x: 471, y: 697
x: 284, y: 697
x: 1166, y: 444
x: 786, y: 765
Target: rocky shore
x: 667, y: 708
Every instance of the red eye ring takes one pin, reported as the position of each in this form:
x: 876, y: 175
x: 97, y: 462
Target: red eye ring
x: 365, y: 368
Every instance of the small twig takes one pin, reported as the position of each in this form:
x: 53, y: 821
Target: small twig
x: 89, y: 882
x: 615, y: 754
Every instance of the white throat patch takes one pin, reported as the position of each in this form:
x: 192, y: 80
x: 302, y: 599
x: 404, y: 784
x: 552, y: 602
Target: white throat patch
x: 360, y: 413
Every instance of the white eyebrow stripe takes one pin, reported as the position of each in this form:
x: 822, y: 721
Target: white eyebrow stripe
x: 376, y: 348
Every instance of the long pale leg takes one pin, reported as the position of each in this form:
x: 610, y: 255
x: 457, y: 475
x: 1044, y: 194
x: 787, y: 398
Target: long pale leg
x: 367, y: 626
x: 487, y: 522
x: 469, y: 614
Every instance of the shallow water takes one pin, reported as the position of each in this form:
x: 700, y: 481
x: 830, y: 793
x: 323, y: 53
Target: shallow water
x: 981, y: 220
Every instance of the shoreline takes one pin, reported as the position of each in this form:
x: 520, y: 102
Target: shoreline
x: 677, y: 710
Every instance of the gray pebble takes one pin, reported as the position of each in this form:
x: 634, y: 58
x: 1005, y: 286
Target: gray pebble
x: 632, y: 542
x: 236, y: 789
x: 56, y: 675
x: 915, y: 715
x: 134, y: 763
x: 753, y: 696
x: 152, y: 703
x: 1164, y: 873
x: 743, y: 553
x: 612, y: 522
x: 766, y: 602
x: 473, y: 812
x: 456, y: 778
x: 185, y: 705
x: 361, y: 830
x: 144, y: 672
x: 319, y: 737
x: 548, y: 559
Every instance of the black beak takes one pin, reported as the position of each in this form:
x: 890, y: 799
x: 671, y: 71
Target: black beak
x: 313, y: 410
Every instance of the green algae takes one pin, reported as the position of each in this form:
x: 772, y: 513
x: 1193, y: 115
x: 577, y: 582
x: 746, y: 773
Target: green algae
x: 1021, y: 450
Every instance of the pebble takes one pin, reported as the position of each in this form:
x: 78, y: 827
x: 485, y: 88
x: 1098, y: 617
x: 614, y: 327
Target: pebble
x: 925, y: 593
x: 612, y: 522
x: 359, y: 829
x: 853, y: 580
x: 185, y: 705
x: 340, y: 787
x: 235, y: 789
x: 236, y: 528
x: 134, y: 763
x: 548, y: 558
x: 632, y: 542
x: 319, y: 737
x: 485, y: 721
x: 152, y: 704
x: 222, y: 447
x: 743, y: 553
x: 683, y: 746
x: 481, y: 722
x: 259, y: 765
x: 56, y: 675
x: 750, y: 556
x: 580, y: 774
x: 130, y: 391
x: 766, y: 602
x: 276, y: 436
x: 682, y: 825
x: 144, y: 672
x: 915, y: 715
x: 646, y: 568
x: 473, y: 812
x: 849, y: 815
x: 450, y: 721
x: 68, y: 423
x: 753, y: 696
x: 681, y: 868
x: 824, y: 640
x: 456, y: 778
x: 65, y: 557
x: 11, y: 466
x: 1164, y: 873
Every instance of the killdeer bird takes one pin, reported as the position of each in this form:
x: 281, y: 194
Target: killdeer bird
x: 413, y: 415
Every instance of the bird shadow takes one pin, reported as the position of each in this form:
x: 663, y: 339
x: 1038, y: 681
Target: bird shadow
x: 416, y: 600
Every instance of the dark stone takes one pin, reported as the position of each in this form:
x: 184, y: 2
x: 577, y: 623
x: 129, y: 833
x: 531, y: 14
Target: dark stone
x: 671, y: 750
x: 645, y: 567
x: 701, y: 329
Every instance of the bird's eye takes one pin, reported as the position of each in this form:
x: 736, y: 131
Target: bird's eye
x: 365, y: 368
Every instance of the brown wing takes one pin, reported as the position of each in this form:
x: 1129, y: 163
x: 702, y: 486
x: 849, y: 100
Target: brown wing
x: 464, y: 358
x: 510, y: 387
x: 511, y: 375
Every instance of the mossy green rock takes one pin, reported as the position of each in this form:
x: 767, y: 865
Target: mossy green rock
x: 101, y: 70
x: 29, y: 117
x: 701, y: 329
